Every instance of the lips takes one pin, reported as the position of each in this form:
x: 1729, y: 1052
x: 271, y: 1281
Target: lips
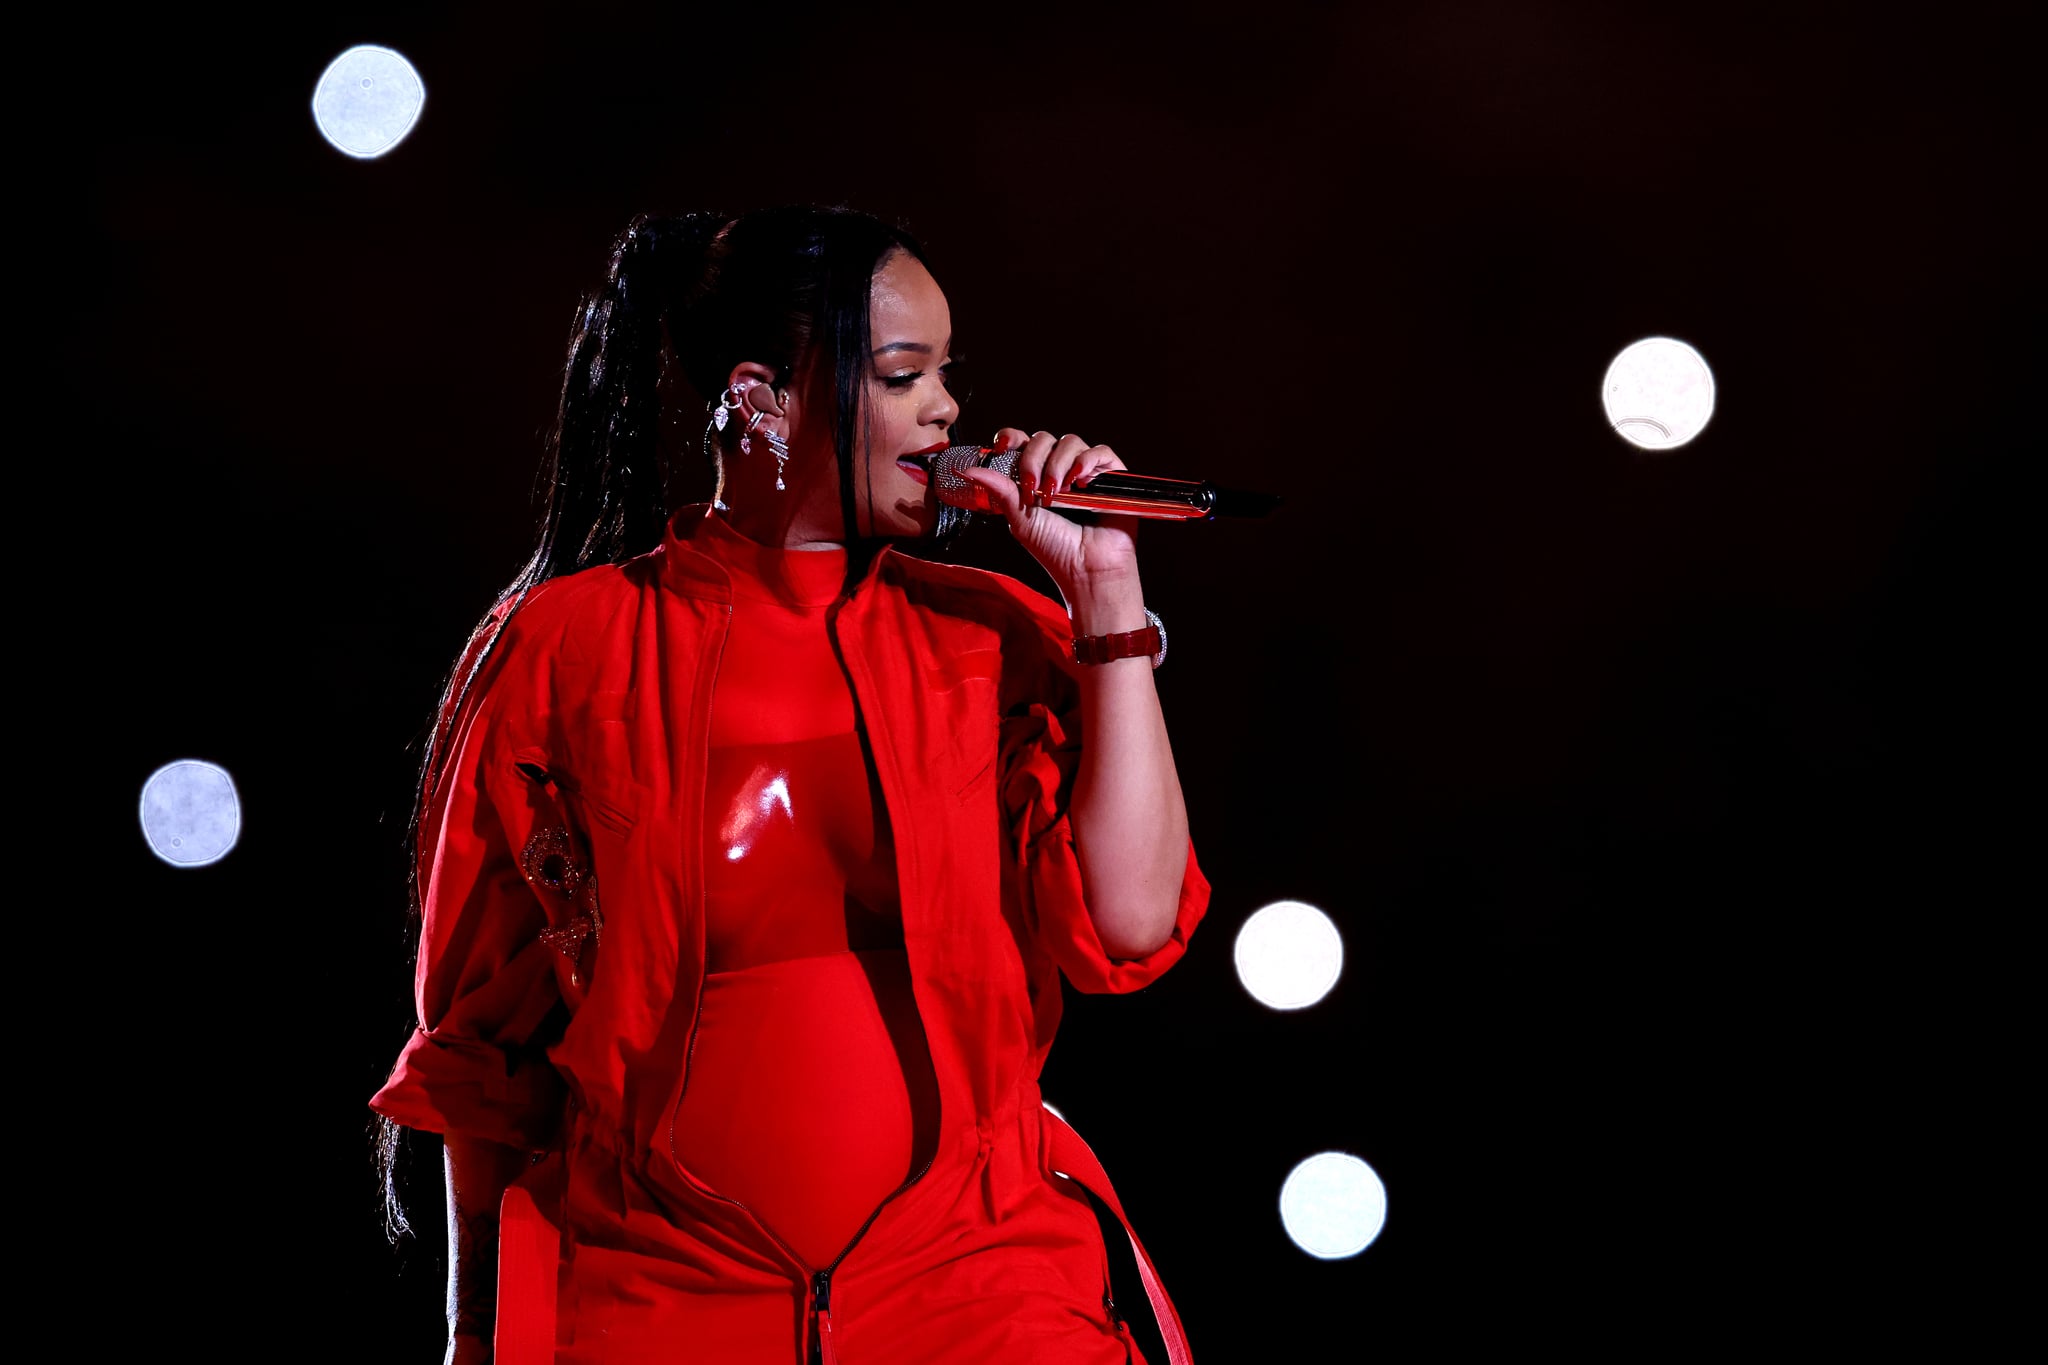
x: 918, y: 465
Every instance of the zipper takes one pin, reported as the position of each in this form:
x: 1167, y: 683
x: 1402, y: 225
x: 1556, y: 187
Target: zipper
x: 692, y: 825
x: 821, y: 1282
x: 818, y: 1282
x: 821, y: 1317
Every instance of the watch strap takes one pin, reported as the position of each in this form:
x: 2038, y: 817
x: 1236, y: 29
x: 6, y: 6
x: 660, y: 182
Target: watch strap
x: 1147, y: 640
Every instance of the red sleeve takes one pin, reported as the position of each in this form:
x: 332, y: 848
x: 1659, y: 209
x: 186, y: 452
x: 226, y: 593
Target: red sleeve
x: 1041, y: 752
x: 486, y: 981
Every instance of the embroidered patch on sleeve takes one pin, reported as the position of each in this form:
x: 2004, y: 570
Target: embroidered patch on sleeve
x: 551, y: 862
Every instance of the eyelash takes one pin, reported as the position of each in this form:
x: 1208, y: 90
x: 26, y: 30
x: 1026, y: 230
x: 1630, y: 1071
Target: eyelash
x: 904, y: 381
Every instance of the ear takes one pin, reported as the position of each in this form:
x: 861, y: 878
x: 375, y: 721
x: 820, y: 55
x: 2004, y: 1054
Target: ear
x: 756, y: 383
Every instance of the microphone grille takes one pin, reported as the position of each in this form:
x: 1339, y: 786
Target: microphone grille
x: 948, y: 463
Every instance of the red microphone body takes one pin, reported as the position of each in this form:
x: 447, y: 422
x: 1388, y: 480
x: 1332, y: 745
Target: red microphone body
x: 1117, y: 492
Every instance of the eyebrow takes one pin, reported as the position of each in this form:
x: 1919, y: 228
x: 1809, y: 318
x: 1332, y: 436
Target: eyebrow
x: 918, y: 346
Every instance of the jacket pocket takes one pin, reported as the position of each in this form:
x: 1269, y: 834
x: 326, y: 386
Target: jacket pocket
x: 615, y: 810
x: 967, y: 685
x: 598, y: 775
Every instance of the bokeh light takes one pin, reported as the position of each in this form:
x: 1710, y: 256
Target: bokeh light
x: 367, y: 100
x: 1333, y: 1205
x: 1289, y: 955
x: 191, y: 815
x: 1658, y: 393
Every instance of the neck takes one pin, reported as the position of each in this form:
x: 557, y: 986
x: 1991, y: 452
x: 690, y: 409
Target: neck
x: 800, y: 517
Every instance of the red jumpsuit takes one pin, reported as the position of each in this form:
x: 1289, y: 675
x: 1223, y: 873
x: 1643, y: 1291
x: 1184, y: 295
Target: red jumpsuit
x: 745, y: 902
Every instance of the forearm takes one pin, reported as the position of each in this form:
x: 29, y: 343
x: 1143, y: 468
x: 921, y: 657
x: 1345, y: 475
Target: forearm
x: 477, y: 1173
x: 1129, y: 821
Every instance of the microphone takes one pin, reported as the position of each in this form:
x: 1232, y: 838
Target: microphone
x: 1116, y: 491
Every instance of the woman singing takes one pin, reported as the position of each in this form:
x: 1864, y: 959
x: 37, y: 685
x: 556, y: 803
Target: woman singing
x: 750, y: 849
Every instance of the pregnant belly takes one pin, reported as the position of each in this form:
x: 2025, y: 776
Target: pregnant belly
x: 810, y: 1096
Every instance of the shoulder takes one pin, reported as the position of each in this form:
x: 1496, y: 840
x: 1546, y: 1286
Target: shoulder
x: 982, y: 594
x: 555, y: 616
x: 532, y: 637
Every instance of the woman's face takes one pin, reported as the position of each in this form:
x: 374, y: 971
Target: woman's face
x: 908, y: 418
x: 910, y: 412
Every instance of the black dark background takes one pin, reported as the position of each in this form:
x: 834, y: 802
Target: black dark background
x: 1671, y: 804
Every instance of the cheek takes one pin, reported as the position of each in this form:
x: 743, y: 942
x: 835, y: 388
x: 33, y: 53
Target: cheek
x: 895, y: 418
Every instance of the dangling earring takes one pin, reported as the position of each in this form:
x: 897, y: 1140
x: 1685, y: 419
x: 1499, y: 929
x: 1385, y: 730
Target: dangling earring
x: 721, y: 412
x: 781, y: 448
x: 775, y: 441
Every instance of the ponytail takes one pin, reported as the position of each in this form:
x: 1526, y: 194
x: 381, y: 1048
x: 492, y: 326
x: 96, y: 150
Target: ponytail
x: 607, y: 489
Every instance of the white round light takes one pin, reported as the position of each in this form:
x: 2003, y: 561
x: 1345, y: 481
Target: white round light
x: 1289, y: 955
x: 367, y: 100
x: 190, y: 813
x: 1333, y: 1205
x: 1658, y: 393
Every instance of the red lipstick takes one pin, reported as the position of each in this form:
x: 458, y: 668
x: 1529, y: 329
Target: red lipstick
x: 918, y: 464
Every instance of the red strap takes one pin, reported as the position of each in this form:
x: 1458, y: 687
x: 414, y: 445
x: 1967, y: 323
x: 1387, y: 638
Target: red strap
x: 1102, y: 649
x: 1071, y: 1156
x: 529, y: 1257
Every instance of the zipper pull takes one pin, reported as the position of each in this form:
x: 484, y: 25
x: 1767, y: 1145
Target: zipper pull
x: 821, y: 1300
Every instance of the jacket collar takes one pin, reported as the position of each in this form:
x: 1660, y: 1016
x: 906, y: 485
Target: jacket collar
x: 690, y: 572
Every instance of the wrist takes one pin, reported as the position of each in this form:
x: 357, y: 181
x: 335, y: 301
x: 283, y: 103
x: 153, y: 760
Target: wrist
x: 1105, y: 605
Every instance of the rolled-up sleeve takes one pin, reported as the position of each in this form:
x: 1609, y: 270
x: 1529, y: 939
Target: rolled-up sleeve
x: 1040, y: 754
x: 485, y: 982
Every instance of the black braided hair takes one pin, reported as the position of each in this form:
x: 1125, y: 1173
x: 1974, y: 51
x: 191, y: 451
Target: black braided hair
x: 786, y: 287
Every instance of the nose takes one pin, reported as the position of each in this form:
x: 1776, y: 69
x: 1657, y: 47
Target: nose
x: 943, y: 410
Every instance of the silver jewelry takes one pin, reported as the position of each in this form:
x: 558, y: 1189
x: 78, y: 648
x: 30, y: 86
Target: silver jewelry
x: 775, y: 442
x: 721, y: 413
x: 728, y: 404
x: 781, y: 448
x: 1160, y: 626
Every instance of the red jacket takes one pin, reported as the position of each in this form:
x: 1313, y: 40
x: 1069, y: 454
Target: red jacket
x: 562, y: 957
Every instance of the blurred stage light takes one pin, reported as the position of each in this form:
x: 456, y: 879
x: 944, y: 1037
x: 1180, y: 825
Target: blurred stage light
x: 1289, y: 955
x: 190, y: 813
x: 1333, y: 1205
x: 367, y: 100
x: 1658, y: 393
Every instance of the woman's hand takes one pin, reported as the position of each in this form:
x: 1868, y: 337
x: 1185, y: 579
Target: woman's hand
x: 1130, y: 823
x: 1076, y: 556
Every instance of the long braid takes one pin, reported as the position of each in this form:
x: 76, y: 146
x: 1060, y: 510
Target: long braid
x: 720, y: 290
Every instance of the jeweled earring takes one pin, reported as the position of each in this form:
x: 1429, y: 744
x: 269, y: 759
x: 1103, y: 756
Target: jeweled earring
x: 781, y: 448
x: 728, y: 403
x: 776, y: 442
